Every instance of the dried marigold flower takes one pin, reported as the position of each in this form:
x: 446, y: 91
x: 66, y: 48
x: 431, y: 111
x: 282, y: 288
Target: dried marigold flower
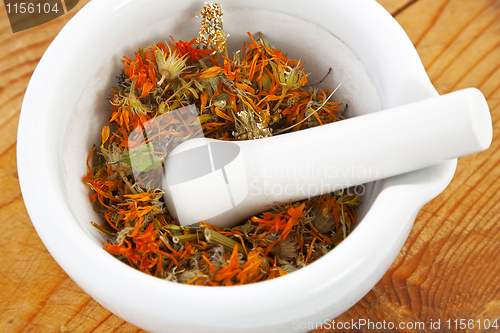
x: 170, y: 67
x: 290, y: 77
x: 130, y: 100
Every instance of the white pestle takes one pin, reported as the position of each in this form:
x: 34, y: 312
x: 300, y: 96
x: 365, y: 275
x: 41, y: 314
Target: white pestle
x: 222, y: 183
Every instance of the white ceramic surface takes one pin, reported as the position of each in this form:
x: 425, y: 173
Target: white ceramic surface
x: 65, y: 105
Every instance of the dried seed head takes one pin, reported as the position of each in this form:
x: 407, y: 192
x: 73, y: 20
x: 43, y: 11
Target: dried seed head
x: 292, y: 101
x: 211, y: 26
x: 247, y: 128
x: 267, y: 82
x: 323, y: 220
x: 311, y: 121
x: 290, y: 77
x: 123, y: 234
x: 286, y: 248
x: 114, y: 154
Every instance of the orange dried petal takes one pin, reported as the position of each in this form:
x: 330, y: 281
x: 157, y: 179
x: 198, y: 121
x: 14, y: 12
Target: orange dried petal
x: 210, y: 72
x: 104, y: 134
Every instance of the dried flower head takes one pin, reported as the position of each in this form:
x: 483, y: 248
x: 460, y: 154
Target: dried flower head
x: 211, y: 26
x: 170, y: 67
x: 123, y: 234
x: 287, y: 248
x: 324, y: 221
x: 114, y: 154
x: 130, y: 100
x: 290, y: 77
x: 247, y: 128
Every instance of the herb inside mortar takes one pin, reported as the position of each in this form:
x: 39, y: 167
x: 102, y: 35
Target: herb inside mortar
x: 258, y: 93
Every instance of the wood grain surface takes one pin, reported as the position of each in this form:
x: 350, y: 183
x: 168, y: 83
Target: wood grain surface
x: 448, y: 269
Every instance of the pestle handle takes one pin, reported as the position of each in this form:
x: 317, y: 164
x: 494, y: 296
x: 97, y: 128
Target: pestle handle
x: 243, y: 178
x: 378, y: 145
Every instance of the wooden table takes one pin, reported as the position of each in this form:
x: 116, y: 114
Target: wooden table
x: 448, y: 269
